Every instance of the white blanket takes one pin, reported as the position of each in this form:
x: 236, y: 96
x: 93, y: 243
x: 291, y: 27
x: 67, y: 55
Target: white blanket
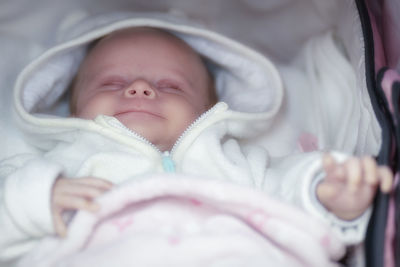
x: 180, y: 221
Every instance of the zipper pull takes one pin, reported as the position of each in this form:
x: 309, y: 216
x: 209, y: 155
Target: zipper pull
x: 167, y: 162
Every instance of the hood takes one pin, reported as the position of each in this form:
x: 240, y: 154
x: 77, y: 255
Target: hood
x: 246, y: 80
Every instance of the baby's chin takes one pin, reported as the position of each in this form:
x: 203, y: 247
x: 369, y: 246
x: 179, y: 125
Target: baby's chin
x: 156, y: 138
x: 152, y: 133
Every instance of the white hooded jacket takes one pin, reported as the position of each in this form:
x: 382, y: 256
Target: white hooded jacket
x: 218, y: 145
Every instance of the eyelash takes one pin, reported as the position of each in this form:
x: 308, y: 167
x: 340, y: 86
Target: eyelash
x: 163, y: 85
x: 174, y: 87
x: 112, y: 85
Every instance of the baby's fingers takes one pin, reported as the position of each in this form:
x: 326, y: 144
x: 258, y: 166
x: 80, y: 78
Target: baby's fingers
x: 375, y: 175
x: 328, y: 162
x: 95, y: 182
x: 68, y: 202
x: 353, y: 174
x: 327, y: 191
x: 334, y: 171
x: 85, y: 191
x: 59, y: 225
x: 386, y: 179
x: 370, y: 171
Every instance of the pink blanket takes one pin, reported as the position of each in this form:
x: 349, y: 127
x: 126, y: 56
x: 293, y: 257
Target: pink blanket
x: 180, y: 221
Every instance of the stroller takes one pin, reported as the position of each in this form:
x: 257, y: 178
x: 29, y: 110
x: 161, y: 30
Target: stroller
x: 382, y: 53
x: 366, y: 33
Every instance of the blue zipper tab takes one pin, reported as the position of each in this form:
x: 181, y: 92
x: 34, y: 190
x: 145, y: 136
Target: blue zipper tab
x: 168, y: 163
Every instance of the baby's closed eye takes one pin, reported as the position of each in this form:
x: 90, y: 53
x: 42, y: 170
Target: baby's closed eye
x: 112, y: 86
x: 112, y: 83
x: 169, y: 85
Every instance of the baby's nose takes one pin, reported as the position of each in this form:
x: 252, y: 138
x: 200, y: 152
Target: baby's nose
x: 140, y: 88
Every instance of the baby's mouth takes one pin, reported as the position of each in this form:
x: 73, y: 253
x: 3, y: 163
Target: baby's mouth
x: 137, y: 112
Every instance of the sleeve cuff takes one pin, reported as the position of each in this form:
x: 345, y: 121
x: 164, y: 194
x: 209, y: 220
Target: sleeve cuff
x: 350, y: 232
x: 27, y: 196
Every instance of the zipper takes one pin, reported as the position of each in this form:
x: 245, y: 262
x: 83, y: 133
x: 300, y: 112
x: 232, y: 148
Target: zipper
x: 117, y: 124
x: 167, y: 156
x: 192, y: 126
x: 168, y: 163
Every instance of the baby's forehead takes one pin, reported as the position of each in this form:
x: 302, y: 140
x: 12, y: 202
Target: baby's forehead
x: 140, y: 40
x: 146, y: 34
x: 137, y: 40
x: 120, y: 45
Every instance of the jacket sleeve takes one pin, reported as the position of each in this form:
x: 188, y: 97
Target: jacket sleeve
x: 25, y: 212
x: 295, y: 178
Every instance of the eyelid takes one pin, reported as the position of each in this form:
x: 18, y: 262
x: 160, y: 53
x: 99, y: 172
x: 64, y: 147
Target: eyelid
x: 112, y: 82
x: 169, y: 84
x: 111, y: 86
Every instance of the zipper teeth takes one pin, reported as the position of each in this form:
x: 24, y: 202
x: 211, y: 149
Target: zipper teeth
x: 138, y: 136
x: 191, y: 126
x: 170, y: 153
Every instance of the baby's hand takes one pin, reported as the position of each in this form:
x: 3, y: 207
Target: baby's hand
x: 75, y: 194
x: 350, y: 187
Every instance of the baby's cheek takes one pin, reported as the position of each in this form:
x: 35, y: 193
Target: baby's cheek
x: 185, y: 120
x: 86, y: 113
x: 180, y: 114
x: 94, y: 107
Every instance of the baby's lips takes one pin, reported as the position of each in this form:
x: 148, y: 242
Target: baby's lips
x: 138, y: 111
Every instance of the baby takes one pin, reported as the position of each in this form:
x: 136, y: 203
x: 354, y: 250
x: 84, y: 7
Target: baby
x: 157, y: 85
x: 152, y: 82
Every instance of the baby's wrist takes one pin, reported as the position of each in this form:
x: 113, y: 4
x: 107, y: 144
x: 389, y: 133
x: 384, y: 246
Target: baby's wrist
x: 347, y: 215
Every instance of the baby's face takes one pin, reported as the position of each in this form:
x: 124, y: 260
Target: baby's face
x: 152, y: 82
